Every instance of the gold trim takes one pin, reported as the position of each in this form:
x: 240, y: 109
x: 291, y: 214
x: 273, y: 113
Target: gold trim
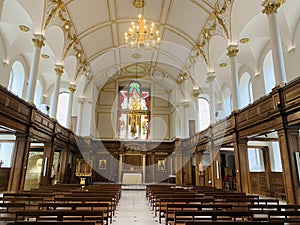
x: 272, y: 7
x: 244, y: 40
x: 45, y: 56
x: 38, y: 41
x: 222, y: 64
x: 59, y: 69
x: 24, y: 28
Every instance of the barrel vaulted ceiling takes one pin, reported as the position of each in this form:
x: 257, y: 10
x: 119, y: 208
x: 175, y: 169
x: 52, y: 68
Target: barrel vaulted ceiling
x: 193, y: 32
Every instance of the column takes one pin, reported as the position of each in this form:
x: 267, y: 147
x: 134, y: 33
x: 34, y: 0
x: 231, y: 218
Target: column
x: 242, y: 166
x: 210, y: 80
x: 120, y: 167
x: 144, y: 168
x: 47, y: 164
x: 70, y: 105
x: 232, y: 52
x: 186, y: 119
x: 19, y: 163
x: 289, y: 143
x: 59, y: 70
x: 270, y: 8
x: 78, y: 126
x: 196, y: 93
x: 179, y: 169
x: 38, y: 41
x: 1, y: 7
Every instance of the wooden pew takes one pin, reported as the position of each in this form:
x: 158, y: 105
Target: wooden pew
x: 8, y: 210
x: 171, y: 208
x: 61, y: 215
x: 52, y: 222
x: 110, y: 200
x: 234, y: 222
x: 92, y: 206
x: 180, y: 217
x: 286, y: 216
x: 163, y: 202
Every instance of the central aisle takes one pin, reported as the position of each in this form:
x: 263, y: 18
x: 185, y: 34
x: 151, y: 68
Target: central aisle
x: 133, y: 209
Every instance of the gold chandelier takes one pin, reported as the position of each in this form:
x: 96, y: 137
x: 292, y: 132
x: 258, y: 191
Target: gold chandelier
x: 140, y: 34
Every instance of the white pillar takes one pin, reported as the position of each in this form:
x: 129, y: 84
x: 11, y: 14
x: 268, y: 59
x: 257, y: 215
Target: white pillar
x: 196, y: 93
x: 212, y: 100
x: 70, y: 106
x: 38, y: 41
x: 232, y: 52
x: 186, y: 118
x: 120, y: 168
x: 270, y: 8
x: 79, y: 117
x: 59, y: 69
x: 144, y: 168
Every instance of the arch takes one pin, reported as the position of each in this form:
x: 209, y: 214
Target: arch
x: 268, y: 73
x: 38, y: 94
x: 227, y: 101
x: 62, y: 108
x: 17, y: 79
x: 204, y: 112
x: 246, y: 94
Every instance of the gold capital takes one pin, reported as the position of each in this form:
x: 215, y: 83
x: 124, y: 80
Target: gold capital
x: 72, y: 88
x: 232, y: 51
x: 38, y: 41
x: 271, y: 7
x: 59, y: 69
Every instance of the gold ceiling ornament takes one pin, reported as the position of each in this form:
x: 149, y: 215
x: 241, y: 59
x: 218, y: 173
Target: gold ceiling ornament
x: 140, y: 34
x: 45, y: 56
x: 271, y: 6
x: 59, y: 69
x: 217, y: 24
x: 244, y: 40
x: 56, y: 14
x: 24, y: 28
x: 38, y: 40
x: 232, y: 51
x: 222, y: 64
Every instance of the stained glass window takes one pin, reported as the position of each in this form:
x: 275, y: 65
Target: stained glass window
x: 133, y: 112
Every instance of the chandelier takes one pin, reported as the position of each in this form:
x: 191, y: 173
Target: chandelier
x: 141, y: 34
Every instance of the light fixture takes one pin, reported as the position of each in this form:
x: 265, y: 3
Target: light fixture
x: 141, y: 34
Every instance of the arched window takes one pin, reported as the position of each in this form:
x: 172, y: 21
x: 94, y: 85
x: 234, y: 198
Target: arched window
x: 204, y: 113
x: 62, y: 108
x: 38, y: 94
x: 16, y: 79
x: 250, y: 91
x: 269, y: 75
x: 133, y: 112
x: 246, y: 95
x: 227, y: 102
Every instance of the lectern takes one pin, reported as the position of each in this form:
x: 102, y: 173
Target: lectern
x: 83, y: 170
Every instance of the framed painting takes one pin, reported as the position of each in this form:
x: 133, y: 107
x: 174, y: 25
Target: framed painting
x: 161, y: 165
x: 102, y: 164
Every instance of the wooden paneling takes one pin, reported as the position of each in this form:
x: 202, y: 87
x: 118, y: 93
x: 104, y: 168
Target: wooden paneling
x: 4, y: 178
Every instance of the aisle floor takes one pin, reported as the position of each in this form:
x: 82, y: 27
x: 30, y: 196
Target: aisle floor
x: 134, y: 209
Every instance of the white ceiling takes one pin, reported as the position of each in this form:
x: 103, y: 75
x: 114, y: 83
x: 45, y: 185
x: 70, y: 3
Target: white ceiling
x: 99, y: 26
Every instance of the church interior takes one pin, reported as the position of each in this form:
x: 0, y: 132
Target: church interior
x: 135, y: 105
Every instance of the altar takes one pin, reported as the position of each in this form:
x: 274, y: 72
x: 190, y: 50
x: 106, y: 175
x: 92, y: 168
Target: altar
x: 132, y: 178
